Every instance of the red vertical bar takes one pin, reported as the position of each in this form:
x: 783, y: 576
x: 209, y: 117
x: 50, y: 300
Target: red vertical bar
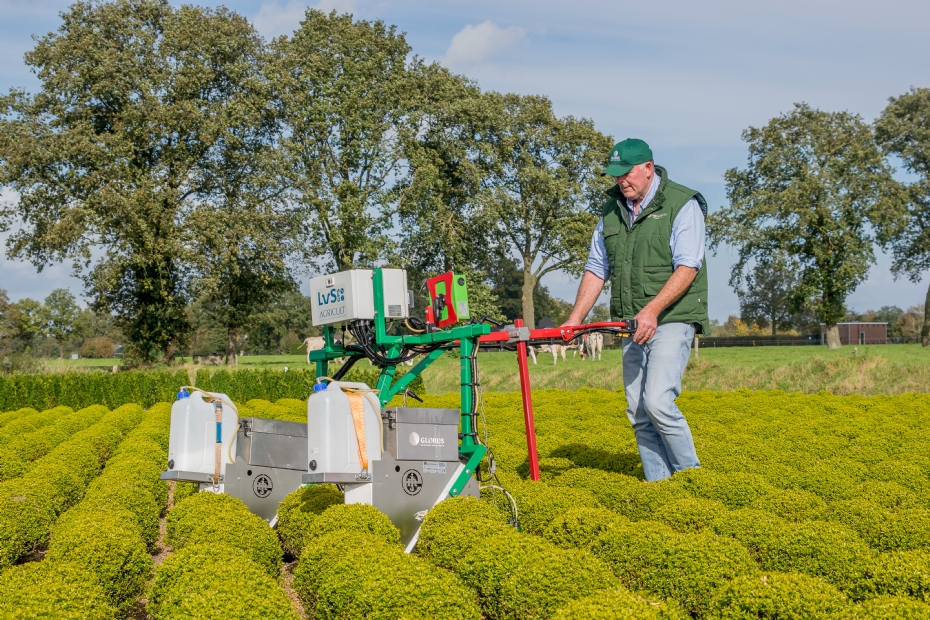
x: 527, y: 405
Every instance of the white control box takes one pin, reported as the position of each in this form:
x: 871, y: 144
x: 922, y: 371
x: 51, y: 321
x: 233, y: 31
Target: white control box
x: 350, y: 296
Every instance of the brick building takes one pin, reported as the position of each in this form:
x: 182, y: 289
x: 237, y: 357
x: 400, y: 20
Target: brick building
x: 858, y: 333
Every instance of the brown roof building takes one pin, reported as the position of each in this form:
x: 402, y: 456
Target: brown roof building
x: 858, y: 333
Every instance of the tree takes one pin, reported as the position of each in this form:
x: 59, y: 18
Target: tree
x: 767, y: 293
x: 910, y: 324
x: 599, y: 314
x: 904, y: 130
x: 506, y: 278
x: 6, y: 323
x: 439, y: 211
x: 25, y: 319
x: 136, y: 98
x: 90, y: 324
x: 813, y: 181
x: 543, y: 190
x: 351, y: 100
x: 59, y: 313
x: 243, y: 265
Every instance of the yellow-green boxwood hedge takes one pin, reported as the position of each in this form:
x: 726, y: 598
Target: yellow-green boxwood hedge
x: 803, y: 502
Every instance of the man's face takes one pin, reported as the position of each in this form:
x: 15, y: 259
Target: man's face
x: 635, y: 183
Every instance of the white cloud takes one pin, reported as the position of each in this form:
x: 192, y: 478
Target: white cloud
x: 273, y: 19
x: 473, y: 44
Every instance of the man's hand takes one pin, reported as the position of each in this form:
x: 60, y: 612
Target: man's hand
x: 647, y: 323
x: 673, y: 290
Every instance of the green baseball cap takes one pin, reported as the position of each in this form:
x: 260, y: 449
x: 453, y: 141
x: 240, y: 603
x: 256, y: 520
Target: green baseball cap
x: 627, y: 154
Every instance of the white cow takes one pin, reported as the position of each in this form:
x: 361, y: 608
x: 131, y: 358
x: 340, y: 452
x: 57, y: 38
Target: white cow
x: 314, y: 342
x: 555, y: 349
x: 594, y: 345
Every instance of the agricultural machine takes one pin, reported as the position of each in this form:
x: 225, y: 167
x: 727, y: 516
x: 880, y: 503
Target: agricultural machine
x: 401, y: 459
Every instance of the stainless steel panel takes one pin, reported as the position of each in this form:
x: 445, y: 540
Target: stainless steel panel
x: 312, y: 478
x: 260, y: 488
x: 423, y: 442
x: 273, y: 443
x: 276, y: 427
x: 421, y: 434
x: 424, y: 415
x: 187, y: 476
x: 402, y: 494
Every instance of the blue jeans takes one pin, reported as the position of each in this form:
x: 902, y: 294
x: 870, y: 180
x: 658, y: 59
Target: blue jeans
x: 652, y: 380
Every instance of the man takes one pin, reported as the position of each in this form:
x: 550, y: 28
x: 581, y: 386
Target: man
x: 650, y: 244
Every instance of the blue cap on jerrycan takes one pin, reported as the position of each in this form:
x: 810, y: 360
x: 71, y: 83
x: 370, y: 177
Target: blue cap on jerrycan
x: 318, y: 387
x: 183, y: 394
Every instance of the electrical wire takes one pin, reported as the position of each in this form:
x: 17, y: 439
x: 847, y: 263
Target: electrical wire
x: 492, y: 468
x: 365, y: 335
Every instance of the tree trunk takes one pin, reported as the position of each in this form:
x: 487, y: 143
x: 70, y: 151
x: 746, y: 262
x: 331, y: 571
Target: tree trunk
x: 529, y: 284
x: 925, y: 330
x: 232, y: 357
x: 833, y: 337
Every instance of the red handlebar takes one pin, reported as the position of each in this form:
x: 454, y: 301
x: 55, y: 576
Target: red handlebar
x: 566, y: 333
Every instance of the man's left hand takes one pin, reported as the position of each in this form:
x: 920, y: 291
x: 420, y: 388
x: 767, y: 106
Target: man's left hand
x: 647, y: 323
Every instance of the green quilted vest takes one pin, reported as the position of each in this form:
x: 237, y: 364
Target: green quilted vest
x: 641, y: 259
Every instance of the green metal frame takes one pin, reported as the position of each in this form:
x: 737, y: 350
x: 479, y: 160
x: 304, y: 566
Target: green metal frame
x: 465, y: 336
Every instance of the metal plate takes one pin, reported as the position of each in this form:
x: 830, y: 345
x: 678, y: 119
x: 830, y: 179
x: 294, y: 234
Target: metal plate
x: 421, y: 434
x: 273, y: 443
x: 401, y: 489
x: 276, y: 427
x: 186, y: 476
x: 261, y: 488
x: 424, y: 415
x: 331, y: 478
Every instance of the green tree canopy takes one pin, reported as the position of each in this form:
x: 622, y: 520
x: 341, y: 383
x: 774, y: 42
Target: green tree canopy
x: 768, y: 293
x: 904, y: 130
x: 114, y: 152
x: 813, y: 181
x: 543, y: 189
x: 59, y: 313
x: 351, y: 99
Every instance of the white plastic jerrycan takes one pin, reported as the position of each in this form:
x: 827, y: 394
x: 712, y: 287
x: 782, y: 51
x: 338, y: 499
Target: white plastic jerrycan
x: 195, y: 433
x: 332, y: 440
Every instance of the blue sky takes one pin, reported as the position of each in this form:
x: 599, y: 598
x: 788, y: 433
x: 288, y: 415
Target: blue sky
x: 685, y: 76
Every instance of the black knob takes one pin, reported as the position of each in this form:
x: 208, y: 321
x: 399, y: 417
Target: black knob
x: 461, y: 281
x: 171, y: 464
x: 312, y: 465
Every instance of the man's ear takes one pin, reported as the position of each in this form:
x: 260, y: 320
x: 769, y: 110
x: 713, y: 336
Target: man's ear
x: 649, y: 167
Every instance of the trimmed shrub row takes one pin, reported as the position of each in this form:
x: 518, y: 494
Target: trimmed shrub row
x: 513, y: 575
x: 50, y: 590
x: 298, y: 511
x: 225, y: 563
x: 31, y: 504
x: 352, y: 565
x: 114, y: 529
x: 19, y: 448
x: 8, y: 416
x: 686, y: 568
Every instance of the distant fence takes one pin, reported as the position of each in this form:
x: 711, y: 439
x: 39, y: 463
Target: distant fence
x: 759, y: 341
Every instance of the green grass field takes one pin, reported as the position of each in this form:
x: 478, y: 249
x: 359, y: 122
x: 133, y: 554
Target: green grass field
x: 873, y: 369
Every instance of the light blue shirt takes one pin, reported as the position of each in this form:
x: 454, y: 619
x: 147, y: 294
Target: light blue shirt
x: 686, y: 243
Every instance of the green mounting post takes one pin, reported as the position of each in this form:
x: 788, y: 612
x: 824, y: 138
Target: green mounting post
x: 466, y: 355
